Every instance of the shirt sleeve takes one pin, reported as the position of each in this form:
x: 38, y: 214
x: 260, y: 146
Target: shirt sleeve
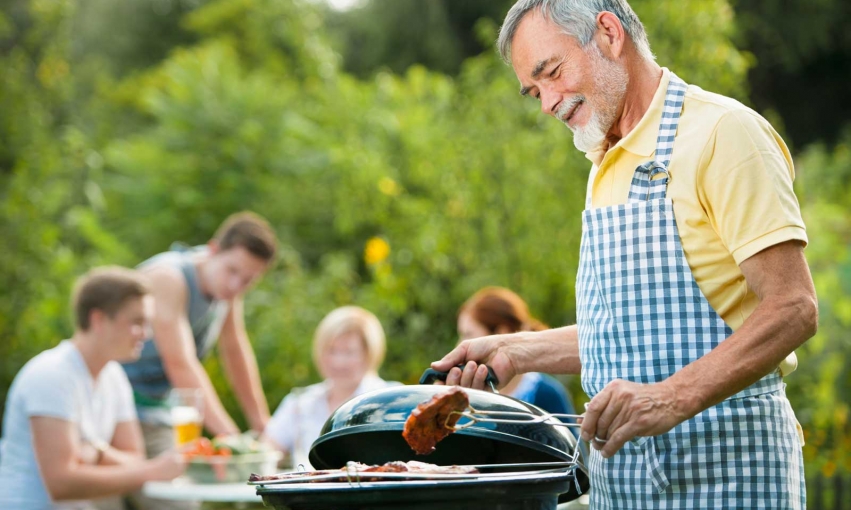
x: 279, y: 428
x: 746, y: 186
x: 50, y: 394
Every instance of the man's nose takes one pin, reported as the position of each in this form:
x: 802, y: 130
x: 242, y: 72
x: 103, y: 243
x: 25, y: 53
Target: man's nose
x: 549, y: 102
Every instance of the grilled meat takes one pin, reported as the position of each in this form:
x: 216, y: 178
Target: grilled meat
x: 433, y: 420
x: 355, y: 469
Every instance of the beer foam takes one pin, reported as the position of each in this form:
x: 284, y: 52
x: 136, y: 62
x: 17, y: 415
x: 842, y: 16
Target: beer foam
x: 185, y: 414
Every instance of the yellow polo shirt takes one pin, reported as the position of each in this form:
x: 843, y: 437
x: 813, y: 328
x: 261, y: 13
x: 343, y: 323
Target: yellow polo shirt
x: 731, y: 186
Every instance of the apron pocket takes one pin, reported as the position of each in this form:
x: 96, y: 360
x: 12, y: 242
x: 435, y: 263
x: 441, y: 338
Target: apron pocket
x: 695, y: 453
x: 651, y: 462
x: 654, y: 467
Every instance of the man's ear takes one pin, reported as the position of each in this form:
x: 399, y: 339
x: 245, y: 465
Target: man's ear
x: 610, y: 36
x: 96, y: 318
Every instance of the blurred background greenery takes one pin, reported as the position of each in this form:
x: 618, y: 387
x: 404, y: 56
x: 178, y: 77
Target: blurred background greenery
x: 388, y: 146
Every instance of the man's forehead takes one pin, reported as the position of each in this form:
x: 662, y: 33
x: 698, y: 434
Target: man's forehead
x: 135, y: 306
x: 240, y: 257
x: 536, y: 41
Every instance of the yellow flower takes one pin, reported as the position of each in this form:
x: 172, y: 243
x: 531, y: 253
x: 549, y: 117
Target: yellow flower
x: 389, y: 187
x: 52, y: 70
x: 376, y: 251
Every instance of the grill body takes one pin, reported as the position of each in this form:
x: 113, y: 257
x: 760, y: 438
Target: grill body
x: 538, y: 493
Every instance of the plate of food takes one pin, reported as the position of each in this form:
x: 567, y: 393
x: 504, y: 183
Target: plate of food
x: 229, y: 459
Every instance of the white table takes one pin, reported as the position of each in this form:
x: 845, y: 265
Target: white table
x: 181, y: 489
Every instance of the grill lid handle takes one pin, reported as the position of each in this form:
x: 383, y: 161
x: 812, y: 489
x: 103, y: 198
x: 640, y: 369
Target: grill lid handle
x: 431, y: 375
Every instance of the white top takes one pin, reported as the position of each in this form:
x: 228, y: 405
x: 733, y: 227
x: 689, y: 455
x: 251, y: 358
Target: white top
x: 57, y: 383
x: 299, y: 419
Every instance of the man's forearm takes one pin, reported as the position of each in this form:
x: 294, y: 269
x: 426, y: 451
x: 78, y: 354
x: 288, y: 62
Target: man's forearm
x: 554, y: 351
x: 240, y: 366
x: 112, y: 456
x: 90, y: 482
x: 776, y: 328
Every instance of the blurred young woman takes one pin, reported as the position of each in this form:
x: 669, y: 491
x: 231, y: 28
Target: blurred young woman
x: 348, y: 349
x: 496, y: 311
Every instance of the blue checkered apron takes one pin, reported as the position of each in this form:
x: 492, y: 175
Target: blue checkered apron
x: 641, y: 318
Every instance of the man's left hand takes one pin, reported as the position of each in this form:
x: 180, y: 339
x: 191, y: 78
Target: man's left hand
x: 625, y: 410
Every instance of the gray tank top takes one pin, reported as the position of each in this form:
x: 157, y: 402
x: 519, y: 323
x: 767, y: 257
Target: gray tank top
x: 206, y: 317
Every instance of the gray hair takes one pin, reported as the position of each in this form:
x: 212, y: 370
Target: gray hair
x: 576, y: 18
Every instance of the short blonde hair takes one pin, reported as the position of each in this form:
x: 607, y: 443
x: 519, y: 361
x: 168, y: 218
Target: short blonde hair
x: 352, y: 319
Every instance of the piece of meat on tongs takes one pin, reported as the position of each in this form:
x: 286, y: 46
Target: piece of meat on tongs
x: 434, y: 419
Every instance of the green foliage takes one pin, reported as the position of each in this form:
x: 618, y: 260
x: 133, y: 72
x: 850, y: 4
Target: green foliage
x: 49, y: 194
x: 126, y: 36
x: 804, y: 49
x: 693, y: 39
x: 821, y: 387
x: 284, y: 36
x: 395, y: 34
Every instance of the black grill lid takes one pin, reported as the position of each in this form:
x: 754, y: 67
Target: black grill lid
x: 368, y: 429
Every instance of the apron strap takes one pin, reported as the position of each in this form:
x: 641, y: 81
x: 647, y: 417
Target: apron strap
x: 644, y: 186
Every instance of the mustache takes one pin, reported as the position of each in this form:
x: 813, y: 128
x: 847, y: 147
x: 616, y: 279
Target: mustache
x: 565, y: 107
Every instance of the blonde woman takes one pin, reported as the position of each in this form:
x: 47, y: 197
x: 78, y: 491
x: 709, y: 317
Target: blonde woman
x: 348, y: 349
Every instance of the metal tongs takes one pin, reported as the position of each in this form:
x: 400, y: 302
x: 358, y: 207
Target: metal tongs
x: 476, y: 416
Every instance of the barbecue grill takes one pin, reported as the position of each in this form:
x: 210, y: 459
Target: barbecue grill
x: 524, y: 463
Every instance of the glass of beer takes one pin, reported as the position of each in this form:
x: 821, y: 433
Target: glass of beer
x: 187, y: 416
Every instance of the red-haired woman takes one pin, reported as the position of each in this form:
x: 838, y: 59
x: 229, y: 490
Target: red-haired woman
x: 495, y: 311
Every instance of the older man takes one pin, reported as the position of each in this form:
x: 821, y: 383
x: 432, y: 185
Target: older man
x: 692, y: 285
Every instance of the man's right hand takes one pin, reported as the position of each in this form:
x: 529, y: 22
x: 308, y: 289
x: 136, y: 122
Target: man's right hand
x: 167, y: 466
x: 493, y: 351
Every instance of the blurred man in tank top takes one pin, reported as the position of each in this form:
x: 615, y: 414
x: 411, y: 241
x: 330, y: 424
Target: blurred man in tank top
x: 198, y: 293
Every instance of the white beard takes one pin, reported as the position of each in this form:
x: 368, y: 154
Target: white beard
x: 591, y: 135
x: 610, y: 80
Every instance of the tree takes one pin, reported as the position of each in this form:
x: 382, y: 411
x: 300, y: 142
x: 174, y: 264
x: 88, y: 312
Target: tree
x: 803, y: 54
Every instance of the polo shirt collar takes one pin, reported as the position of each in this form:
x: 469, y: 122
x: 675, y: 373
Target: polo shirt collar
x: 641, y: 141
